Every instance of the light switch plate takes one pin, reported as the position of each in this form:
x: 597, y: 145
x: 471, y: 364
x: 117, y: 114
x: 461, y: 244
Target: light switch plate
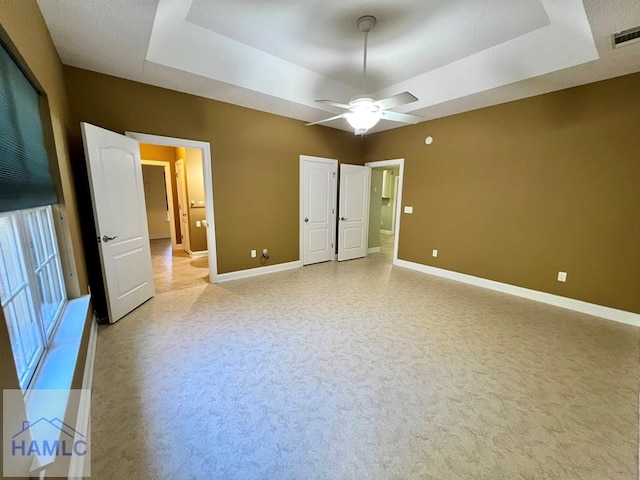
x: 253, y: 254
x: 408, y: 209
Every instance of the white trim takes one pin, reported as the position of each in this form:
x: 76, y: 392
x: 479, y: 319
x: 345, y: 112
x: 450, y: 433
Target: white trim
x: 208, y: 188
x: 609, y: 313
x: 77, y: 463
x: 199, y: 253
x: 254, y: 272
x: 169, y: 190
x: 373, y: 250
x: 330, y: 161
x: 392, y: 163
x: 396, y: 183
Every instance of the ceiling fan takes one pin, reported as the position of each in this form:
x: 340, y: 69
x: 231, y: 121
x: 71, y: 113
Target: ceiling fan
x: 363, y: 110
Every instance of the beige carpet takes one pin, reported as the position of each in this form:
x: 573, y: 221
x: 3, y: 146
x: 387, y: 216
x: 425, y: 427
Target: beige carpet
x: 362, y: 370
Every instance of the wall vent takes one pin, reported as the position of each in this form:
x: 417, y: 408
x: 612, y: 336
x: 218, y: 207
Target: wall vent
x: 626, y: 37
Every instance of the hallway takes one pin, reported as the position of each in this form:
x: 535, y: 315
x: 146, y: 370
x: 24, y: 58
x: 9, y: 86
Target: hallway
x: 175, y: 269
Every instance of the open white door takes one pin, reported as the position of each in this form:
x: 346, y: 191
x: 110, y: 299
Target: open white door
x: 353, y: 227
x: 117, y: 192
x: 318, y: 203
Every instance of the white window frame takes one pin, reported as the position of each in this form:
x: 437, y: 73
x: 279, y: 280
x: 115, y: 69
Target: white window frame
x: 34, y: 262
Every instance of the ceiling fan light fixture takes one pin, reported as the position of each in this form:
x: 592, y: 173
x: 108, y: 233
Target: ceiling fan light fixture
x: 364, y: 112
x: 363, y: 115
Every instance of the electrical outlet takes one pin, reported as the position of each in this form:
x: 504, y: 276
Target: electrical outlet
x: 253, y: 254
x: 562, y: 276
x: 434, y: 253
x: 408, y: 209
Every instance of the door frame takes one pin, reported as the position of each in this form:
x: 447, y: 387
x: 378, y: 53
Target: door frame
x: 169, y: 191
x: 334, y: 195
x: 208, y: 188
x: 392, y: 163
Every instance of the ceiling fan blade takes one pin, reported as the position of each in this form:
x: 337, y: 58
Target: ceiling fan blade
x: 396, y: 100
x: 335, y: 104
x: 400, y: 117
x: 326, y: 120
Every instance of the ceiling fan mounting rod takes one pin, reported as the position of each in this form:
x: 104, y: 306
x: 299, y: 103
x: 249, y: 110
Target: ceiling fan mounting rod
x: 364, y: 64
x: 365, y: 25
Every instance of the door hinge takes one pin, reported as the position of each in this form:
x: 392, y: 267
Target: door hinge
x: 98, y: 239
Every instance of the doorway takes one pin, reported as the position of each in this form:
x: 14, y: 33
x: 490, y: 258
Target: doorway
x: 173, y: 264
x: 188, y: 257
x: 385, y: 207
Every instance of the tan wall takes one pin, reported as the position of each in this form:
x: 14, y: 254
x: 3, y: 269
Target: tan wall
x: 195, y: 196
x: 255, y: 157
x: 519, y: 191
x: 155, y: 196
x: 165, y: 154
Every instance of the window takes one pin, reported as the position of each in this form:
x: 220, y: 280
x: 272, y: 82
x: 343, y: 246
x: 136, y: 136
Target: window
x: 31, y: 285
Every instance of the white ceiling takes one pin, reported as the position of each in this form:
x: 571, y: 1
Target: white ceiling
x: 279, y: 56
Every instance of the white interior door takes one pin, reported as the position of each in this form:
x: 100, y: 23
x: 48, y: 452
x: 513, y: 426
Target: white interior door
x: 117, y: 192
x: 318, y: 197
x: 353, y: 227
x: 183, y: 206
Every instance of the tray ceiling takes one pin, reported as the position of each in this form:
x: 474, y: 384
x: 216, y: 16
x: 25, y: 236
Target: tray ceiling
x: 454, y: 55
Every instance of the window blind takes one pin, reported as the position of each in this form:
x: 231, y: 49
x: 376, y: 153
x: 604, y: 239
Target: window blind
x: 25, y: 180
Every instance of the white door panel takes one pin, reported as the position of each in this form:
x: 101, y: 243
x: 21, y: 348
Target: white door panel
x: 318, y: 241
x: 317, y: 209
x: 117, y: 192
x: 353, y: 227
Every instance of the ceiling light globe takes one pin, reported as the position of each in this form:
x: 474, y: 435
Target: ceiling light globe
x: 363, y: 115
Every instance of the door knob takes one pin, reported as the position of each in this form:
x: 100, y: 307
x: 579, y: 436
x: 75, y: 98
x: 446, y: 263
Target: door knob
x: 306, y: 219
x: 106, y: 238
x: 343, y: 218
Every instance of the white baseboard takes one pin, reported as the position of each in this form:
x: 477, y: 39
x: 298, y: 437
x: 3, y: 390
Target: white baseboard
x: 254, y: 272
x: 609, y: 313
x: 199, y: 253
x: 77, y: 463
x: 373, y: 250
x: 158, y: 236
